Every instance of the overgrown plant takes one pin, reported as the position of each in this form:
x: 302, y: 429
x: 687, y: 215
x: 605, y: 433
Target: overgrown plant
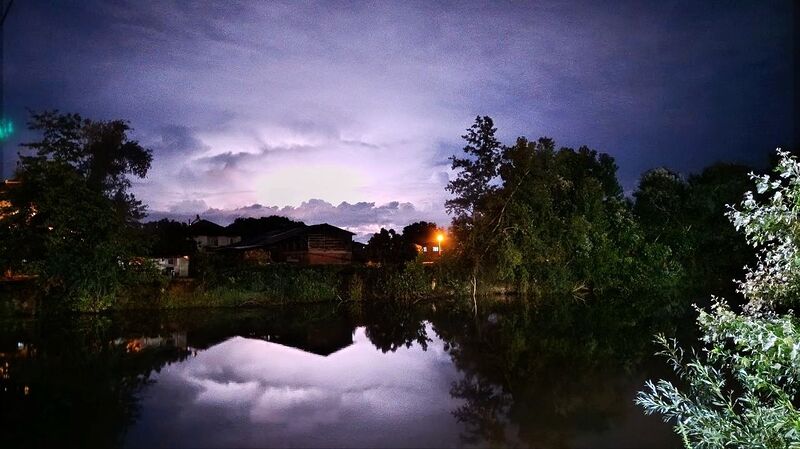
x: 742, y: 387
x: 740, y: 390
x: 772, y: 227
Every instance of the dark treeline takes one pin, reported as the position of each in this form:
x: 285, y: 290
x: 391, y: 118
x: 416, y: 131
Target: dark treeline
x: 389, y: 247
x: 528, y: 217
x: 539, y: 218
x: 168, y: 237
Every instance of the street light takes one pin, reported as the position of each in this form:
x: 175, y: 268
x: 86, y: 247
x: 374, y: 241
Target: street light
x: 440, y: 238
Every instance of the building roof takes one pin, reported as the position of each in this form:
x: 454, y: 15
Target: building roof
x: 274, y: 237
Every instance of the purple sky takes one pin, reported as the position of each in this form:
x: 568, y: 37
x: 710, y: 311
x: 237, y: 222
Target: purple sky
x: 346, y: 112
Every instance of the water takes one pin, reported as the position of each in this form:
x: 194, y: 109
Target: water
x: 331, y: 376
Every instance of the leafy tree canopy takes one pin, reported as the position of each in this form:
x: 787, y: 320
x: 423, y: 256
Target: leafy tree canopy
x: 248, y: 227
x: 71, y: 219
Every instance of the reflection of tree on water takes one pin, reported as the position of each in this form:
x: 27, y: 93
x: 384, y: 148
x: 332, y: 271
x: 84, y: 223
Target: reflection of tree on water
x: 484, y: 411
x: 71, y: 386
x: 532, y: 375
x: 75, y: 382
x: 396, y: 326
x: 544, y: 375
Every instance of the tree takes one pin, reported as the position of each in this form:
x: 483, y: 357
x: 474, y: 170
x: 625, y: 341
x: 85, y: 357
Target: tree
x: 169, y: 238
x: 385, y: 247
x: 248, y: 227
x: 660, y: 205
x: 99, y: 151
x: 719, y: 252
x: 473, y: 190
x: 562, y: 223
x: 741, y: 390
x: 473, y: 183
x: 554, y: 220
x: 417, y: 233
x: 688, y: 217
x: 773, y: 228
x: 71, y: 219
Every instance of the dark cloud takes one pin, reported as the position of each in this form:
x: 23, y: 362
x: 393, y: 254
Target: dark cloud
x: 275, y: 103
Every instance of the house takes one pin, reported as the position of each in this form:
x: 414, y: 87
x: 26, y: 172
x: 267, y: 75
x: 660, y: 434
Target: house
x: 432, y: 250
x: 320, y: 244
x: 209, y: 235
x: 177, y: 266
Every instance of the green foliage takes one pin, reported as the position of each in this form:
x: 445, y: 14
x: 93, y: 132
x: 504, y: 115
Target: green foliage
x: 541, y: 219
x: 406, y: 282
x: 741, y: 389
x: 70, y: 219
x: 168, y: 238
x: 559, y: 223
x: 276, y: 283
x: 687, y: 217
x: 389, y: 247
x: 773, y: 227
x: 410, y: 282
x: 386, y: 247
x: 660, y: 207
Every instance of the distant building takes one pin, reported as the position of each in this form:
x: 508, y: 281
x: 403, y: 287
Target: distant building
x: 320, y: 244
x: 177, y: 266
x: 431, y: 251
x: 209, y: 235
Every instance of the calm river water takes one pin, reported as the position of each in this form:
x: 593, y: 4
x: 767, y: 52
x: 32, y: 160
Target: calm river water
x: 331, y: 376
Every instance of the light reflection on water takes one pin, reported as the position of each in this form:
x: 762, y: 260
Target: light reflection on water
x: 382, y: 376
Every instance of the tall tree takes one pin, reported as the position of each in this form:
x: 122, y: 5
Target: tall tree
x: 473, y: 184
x: 99, y: 151
x: 71, y: 219
x: 473, y: 190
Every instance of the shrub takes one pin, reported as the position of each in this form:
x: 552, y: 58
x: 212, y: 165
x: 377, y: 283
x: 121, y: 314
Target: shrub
x: 740, y: 389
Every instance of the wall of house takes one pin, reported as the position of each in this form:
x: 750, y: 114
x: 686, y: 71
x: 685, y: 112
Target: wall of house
x: 314, y: 249
x: 431, y: 251
x: 178, y: 265
x: 329, y: 257
x: 182, y: 267
x: 324, y: 249
x: 215, y: 241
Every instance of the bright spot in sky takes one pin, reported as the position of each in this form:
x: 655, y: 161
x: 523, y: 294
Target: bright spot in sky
x: 293, y: 184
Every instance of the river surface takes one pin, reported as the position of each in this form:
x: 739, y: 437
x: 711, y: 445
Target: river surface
x: 434, y: 375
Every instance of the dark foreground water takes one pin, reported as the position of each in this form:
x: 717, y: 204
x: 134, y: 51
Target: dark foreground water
x: 331, y: 376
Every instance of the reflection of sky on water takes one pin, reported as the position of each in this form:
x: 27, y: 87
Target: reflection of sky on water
x: 246, y: 392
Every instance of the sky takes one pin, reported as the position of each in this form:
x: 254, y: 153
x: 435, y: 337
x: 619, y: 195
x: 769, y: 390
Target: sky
x: 347, y: 112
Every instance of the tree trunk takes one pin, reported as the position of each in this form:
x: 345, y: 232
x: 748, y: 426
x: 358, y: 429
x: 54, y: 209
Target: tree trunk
x: 474, y: 294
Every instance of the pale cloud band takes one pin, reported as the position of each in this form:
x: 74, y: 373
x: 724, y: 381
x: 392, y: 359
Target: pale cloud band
x: 363, y: 218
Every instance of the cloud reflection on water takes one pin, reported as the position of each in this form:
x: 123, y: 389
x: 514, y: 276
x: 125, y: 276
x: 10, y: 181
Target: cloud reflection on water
x: 269, y: 394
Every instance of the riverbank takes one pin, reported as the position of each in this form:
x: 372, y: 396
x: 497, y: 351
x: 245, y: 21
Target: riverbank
x: 252, y: 286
